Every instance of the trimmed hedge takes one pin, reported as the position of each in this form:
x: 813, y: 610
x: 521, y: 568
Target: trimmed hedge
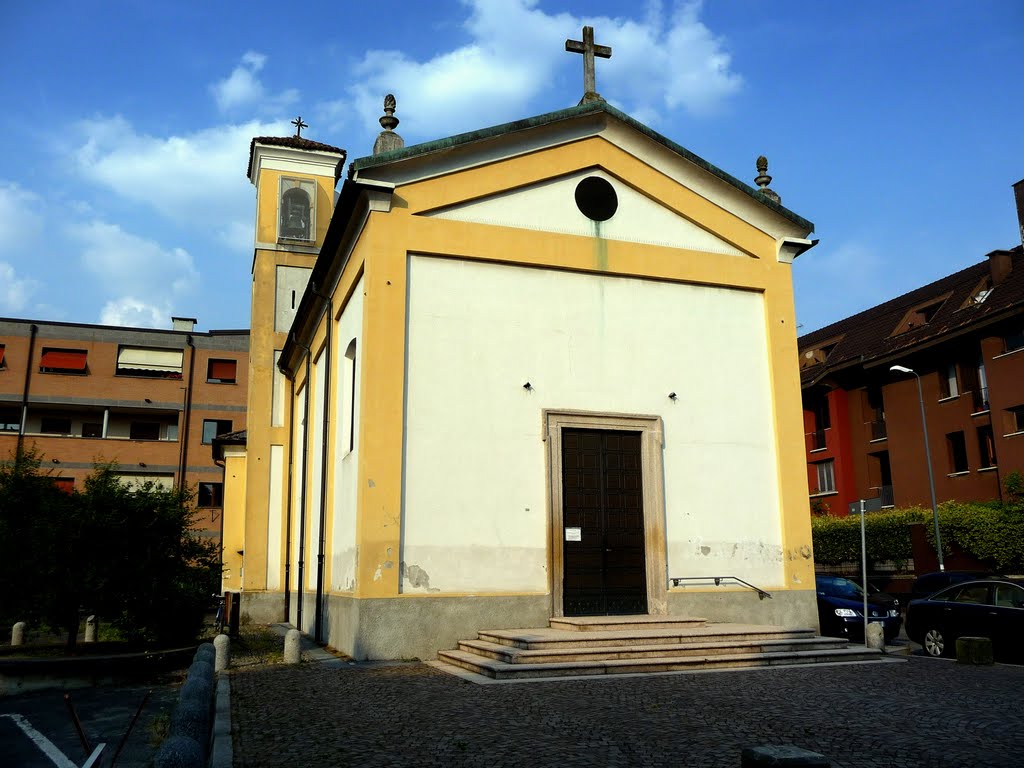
x: 991, y: 532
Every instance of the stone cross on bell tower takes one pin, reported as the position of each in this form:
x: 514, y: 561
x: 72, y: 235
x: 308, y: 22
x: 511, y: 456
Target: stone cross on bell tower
x: 589, y: 51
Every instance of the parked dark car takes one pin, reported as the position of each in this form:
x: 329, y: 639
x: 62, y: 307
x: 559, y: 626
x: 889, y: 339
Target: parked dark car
x: 928, y: 584
x: 841, y: 609
x: 992, y: 608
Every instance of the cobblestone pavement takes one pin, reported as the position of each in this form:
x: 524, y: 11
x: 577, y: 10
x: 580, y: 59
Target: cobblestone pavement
x: 923, y: 712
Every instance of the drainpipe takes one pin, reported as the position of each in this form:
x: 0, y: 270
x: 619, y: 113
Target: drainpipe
x: 288, y: 521
x: 318, y: 623
x: 302, y: 498
x: 33, y: 330
x: 187, y: 413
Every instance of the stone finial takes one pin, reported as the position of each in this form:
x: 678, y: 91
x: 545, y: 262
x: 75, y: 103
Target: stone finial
x: 91, y: 628
x: 388, y: 140
x: 763, y: 180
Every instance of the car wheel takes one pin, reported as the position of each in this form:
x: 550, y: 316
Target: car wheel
x: 934, y: 643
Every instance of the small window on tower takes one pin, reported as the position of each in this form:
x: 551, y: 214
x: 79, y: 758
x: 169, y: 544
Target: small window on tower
x: 297, y: 210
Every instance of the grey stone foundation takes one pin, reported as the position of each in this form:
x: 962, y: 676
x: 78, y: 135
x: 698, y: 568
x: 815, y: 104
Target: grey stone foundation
x: 788, y: 608
x: 415, y: 627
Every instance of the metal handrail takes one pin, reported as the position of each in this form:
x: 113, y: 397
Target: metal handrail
x: 761, y: 594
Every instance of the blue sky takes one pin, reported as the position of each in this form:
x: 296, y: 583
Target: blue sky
x: 894, y: 127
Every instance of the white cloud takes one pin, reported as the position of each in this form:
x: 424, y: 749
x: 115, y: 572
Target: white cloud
x: 663, y: 61
x: 830, y: 284
x: 21, y: 230
x: 15, y: 291
x: 674, y: 65
x: 135, y: 313
x: 142, y: 277
x: 197, y: 180
x: 242, y: 88
x: 21, y: 221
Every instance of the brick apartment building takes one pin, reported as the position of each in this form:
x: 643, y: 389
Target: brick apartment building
x: 964, y: 336
x: 149, y: 400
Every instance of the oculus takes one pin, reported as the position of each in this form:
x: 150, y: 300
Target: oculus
x: 596, y: 198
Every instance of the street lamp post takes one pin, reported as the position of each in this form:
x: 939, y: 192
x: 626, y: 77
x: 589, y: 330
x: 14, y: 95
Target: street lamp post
x: 927, y: 458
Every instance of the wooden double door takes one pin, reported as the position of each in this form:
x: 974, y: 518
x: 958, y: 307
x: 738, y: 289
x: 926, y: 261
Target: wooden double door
x: 604, y: 566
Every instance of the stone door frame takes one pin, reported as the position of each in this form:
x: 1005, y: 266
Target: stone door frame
x: 652, y: 445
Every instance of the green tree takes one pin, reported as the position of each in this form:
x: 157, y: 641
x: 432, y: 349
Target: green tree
x: 126, y: 553
x: 33, y: 512
x: 156, y: 574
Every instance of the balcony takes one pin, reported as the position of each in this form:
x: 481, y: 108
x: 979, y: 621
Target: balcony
x: 979, y: 398
x: 815, y: 440
x: 886, y: 495
x: 878, y: 431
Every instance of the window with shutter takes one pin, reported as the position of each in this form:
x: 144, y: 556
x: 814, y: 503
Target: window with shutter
x: 221, y: 371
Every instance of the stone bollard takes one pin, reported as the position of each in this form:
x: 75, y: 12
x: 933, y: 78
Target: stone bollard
x: 179, y: 751
x: 91, y: 627
x: 876, y: 636
x: 974, y: 650
x: 292, y: 647
x: 18, y: 633
x: 222, y: 645
x: 206, y: 652
x: 782, y: 754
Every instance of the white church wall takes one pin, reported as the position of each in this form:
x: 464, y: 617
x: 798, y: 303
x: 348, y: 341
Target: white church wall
x: 343, y: 531
x: 475, y: 515
x: 299, y: 471
x: 550, y: 206
x: 315, y: 457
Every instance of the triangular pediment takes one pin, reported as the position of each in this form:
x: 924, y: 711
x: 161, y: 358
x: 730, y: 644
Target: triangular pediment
x: 551, y: 206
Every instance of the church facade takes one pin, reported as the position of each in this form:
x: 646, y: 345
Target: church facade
x: 536, y: 370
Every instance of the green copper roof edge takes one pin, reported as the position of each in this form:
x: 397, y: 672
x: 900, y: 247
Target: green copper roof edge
x: 450, y: 142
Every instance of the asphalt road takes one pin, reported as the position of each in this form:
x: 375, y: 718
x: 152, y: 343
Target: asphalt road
x: 105, y: 713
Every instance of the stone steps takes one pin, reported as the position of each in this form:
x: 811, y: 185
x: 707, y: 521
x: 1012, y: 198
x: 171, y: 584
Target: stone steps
x: 606, y: 645
x: 606, y: 623
x: 536, y: 639
x: 500, y: 670
x: 516, y: 655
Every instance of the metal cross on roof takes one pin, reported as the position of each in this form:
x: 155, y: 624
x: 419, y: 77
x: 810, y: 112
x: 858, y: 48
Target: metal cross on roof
x: 589, y: 51
x: 299, y: 125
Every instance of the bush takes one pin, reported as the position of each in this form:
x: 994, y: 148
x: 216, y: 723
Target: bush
x: 989, y: 531
x: 837, y: 539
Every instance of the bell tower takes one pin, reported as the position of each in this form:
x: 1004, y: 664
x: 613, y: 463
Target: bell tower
x: 294, y: 179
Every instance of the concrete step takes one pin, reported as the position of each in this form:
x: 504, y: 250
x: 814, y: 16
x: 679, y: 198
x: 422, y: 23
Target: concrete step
x: 604, y: 623
x: 537, y: 639
x: 500, y: 670
x: 514, y: 655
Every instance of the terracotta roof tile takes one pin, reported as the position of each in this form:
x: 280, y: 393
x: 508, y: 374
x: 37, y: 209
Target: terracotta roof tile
x: 294, y: 142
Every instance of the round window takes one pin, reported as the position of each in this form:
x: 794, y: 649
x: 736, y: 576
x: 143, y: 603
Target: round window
x: 596, y: 198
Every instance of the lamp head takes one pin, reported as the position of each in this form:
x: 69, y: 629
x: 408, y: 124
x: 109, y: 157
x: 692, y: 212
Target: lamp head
x: 901, y: 369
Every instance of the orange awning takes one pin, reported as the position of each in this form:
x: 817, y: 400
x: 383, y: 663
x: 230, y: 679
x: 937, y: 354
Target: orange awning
x: 63, y: 360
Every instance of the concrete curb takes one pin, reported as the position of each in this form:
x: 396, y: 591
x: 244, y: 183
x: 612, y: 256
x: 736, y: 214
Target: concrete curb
x: 222, y: 752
